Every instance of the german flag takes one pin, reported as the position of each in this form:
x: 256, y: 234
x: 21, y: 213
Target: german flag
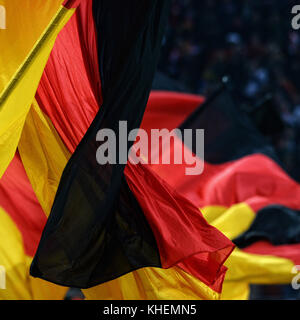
x: 244, y: 191
x: 22, y: 221
x: 128, y: 232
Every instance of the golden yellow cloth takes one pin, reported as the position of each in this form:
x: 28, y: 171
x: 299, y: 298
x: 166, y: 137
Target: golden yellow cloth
x: 153, y: 284
x: 44, y: 156
x: 25, y: 46
x: 14, y: 263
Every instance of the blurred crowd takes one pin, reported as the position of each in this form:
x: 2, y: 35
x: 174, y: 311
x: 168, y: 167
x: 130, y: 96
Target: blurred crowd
x: 252, y: 42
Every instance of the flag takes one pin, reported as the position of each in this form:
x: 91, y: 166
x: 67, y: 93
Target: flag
x: 105, y: 224
x: 244, y: 192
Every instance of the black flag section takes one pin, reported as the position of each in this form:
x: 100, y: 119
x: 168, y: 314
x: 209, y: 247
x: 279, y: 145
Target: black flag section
x: 277, y: 224
x: 96, y: 231
x: 229, y: 132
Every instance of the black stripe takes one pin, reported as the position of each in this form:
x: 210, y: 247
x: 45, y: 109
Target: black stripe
x: 277, y: 224
x: 229, y: 132
x: 96, y: 230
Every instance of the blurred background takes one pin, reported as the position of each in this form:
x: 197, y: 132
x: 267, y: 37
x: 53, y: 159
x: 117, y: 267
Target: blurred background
x: 253, y: 43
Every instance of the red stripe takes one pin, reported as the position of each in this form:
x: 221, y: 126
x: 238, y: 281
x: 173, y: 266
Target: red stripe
x: 69, y: 91
x: 165, y: 109
x: 19, y: 201
x: 255, y: 179
x: 290, y: 251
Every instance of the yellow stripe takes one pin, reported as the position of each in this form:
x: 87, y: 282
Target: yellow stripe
x: 26, y: 21
x: 20, y: 72
x: 211, y: 213
x: 235, y: 291
x: 245, y: 269
x: 16, y: 98
x: 231, y: 221
x: 19, y: 285
x: 153, y: 284
x: 44, y: 156
x: 258, y: 269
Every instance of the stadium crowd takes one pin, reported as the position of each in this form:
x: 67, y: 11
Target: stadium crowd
x: 252, y: 42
